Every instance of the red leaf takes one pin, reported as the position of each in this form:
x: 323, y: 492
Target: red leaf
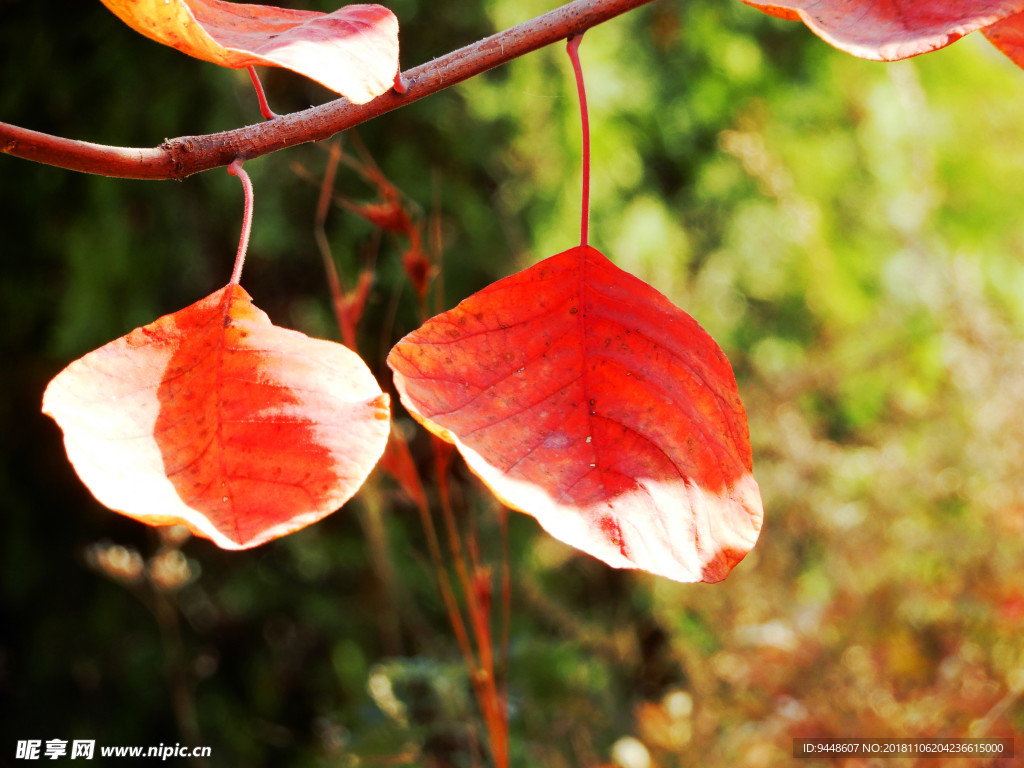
x: 585, y: 398
x: 217, y: 419
x: 353, y: 51
x: 1008, y: 36
x: 774, y: 10
x: 893, y: 29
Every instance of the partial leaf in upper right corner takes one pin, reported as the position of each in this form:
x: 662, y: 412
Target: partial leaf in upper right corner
x: 894, y: 29
x: 1008, y: 36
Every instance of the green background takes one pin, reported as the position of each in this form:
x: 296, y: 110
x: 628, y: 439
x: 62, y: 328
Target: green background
x: 848, y: 231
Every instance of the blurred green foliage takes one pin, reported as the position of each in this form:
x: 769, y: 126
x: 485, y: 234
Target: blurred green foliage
x: 849, y: 233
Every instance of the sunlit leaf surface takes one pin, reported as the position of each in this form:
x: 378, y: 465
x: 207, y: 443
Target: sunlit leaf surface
x: 894, y: 29
x: 585, y: 398
x: 353, y: 51
x: 217, y: 419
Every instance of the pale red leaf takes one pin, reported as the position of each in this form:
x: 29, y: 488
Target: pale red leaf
x: 582, y: 396
x: 353, y: 51
x: 886, y: 30
x: 217, y: 419
x: 1008, y: 36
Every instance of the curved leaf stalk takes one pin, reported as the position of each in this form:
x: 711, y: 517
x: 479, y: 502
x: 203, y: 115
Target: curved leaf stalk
x: 572, y: 47
x: 235, y: 169
x: 265, y: 109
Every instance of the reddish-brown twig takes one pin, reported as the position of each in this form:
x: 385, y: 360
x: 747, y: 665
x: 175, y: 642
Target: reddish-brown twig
x: 184, y: 156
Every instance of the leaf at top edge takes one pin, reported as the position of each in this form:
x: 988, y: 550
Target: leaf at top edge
x: 1008, y: 36
x: 891, y: 30
x: 353, y: 51
x: 774, y: 10
x: 214, y: 418
x: 582, y: 396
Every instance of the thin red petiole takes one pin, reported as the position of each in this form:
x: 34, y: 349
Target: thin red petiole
x: 573, y: 49
x: 265, y: 109
x: 235, y: 169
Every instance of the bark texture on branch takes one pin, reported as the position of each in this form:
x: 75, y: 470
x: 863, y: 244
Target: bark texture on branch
x: 186, y: 155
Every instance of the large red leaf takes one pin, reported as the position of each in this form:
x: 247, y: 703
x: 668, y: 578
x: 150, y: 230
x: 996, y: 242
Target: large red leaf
x: 886, y: 30
x: 353, y: 51
x: 215, y: 418
x: 585, y: 398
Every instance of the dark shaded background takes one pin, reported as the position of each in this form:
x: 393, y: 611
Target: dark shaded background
x: 848, y: 231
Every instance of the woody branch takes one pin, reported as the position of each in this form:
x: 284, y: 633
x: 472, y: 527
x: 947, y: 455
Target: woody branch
x: 186, y: 155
